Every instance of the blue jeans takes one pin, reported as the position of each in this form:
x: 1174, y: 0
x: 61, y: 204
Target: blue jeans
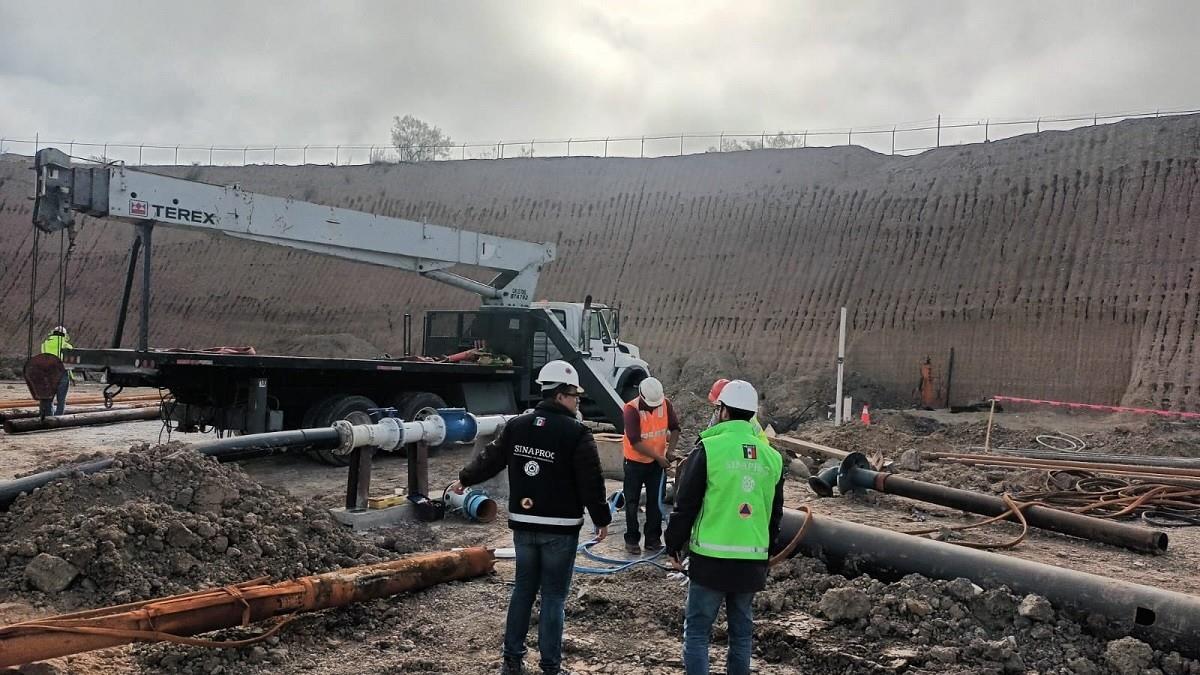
x: 60, y: 398
x: 702, y: 606
x: 545, y: 563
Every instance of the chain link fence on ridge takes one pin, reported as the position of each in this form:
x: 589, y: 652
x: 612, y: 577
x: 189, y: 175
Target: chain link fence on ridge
x: 898, y: 139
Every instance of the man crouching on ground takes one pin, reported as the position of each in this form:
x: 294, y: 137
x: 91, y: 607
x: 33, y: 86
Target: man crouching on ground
x: 553, y: 473
x: 728, y: 506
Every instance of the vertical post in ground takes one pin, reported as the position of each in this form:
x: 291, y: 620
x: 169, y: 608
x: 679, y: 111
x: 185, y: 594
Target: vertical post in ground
x: 841, y: 361
x: 987, y: 439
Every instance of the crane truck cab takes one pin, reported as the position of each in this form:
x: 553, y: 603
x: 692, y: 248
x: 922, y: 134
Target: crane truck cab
x: 523, y: 335
x: 596, y: 330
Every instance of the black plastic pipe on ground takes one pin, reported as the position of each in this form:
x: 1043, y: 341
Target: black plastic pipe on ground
x: 223, y: 450
x: 855, y: 474
x: 1165, y: 619
x: 19, y: 426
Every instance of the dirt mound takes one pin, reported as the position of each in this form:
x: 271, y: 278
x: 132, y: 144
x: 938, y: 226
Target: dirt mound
x: 163, y: 520
x: 821, y: 622
x: 787, y: 401
x: 336, y: 345
x: 11, y: 367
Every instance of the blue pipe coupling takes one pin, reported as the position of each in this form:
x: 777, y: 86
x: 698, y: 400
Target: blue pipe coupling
x: 461, y: 426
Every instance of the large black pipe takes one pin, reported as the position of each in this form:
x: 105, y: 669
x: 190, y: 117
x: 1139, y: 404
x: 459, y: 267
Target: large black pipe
x: 1165, y: 619
x: 223, y: 450
x: 855, y: 474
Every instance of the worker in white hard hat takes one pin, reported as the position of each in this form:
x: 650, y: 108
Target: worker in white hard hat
x: 649, y: 438
x: 54, y: 344
x: 553, y: 474
x: 728, y: 506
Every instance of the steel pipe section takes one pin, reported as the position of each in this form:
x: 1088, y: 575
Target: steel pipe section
x: 855, y: 474
x: 1165, y: 619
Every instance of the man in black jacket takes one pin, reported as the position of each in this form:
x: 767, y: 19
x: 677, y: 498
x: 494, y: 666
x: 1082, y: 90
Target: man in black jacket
x: 553, y: 473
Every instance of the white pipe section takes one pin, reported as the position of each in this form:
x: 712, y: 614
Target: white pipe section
x: 390, y: 433
x: 489, y: 425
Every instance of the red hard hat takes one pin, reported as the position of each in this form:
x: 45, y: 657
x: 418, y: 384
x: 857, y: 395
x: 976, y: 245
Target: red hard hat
x: 716, y: 390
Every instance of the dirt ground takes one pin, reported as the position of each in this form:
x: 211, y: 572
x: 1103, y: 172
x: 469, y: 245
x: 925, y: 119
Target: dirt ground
x: 628, y: 622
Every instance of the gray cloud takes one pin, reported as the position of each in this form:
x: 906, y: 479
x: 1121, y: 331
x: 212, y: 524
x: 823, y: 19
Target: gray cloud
x: 281, y: 72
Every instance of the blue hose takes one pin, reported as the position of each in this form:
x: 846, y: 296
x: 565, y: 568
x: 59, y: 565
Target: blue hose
x: 615, y: 502
x: 621, y: 564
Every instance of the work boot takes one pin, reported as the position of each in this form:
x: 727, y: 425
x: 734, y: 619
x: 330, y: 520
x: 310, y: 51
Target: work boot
x: 557, y: 671
x: 653, y: 546
x: 512, y: 667
x: 633, y: 549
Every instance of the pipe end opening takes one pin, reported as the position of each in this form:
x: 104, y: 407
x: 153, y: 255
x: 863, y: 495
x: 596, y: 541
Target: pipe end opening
x: 1161, y: 542
x: 486, y: 512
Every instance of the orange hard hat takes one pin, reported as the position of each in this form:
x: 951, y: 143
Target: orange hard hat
x: 716, y: 390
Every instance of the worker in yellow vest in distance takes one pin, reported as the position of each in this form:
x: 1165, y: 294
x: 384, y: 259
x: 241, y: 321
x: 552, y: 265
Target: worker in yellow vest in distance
x: 54, y: 344
x: 715, y: 393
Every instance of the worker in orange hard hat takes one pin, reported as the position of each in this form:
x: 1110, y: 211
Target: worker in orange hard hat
x: 714, y: 394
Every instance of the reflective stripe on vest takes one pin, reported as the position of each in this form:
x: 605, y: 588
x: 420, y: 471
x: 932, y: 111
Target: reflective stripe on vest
x: 731, y: 549
x: 545, y: 520
x: 654, y: 429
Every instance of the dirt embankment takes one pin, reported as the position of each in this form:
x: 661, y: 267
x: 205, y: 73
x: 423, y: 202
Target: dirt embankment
x: 1055, y: 265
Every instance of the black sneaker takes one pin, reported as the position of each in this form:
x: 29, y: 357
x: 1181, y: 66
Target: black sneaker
x: 512, y: 667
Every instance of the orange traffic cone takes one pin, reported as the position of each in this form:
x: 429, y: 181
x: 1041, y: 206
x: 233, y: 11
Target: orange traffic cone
x: 866, y: 416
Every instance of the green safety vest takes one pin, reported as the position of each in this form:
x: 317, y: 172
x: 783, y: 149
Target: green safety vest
x: 735, y: 518
x: 55, y: 344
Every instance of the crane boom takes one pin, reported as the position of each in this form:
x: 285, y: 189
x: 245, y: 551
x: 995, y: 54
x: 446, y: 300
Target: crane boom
x: 429, y: 250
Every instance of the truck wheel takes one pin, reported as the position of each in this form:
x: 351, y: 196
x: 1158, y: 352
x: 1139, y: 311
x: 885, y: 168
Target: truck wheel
x: 410, y: 403
x: 629, y: 390
x: 350, y: 408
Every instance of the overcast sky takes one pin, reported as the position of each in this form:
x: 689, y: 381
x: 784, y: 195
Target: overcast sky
x: 235, y: 72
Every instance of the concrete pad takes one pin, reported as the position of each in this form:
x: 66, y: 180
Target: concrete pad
x: 374, y: 518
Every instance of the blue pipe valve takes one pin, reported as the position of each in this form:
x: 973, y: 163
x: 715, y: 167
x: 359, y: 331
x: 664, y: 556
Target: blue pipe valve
x: 461, y: 426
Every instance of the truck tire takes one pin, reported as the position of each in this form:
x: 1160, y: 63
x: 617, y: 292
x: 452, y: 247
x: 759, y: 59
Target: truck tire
x: 410, y: 403
x: 341, y: 407
x: 629, y: 388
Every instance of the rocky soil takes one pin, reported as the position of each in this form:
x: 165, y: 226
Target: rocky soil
x: 167, y: 521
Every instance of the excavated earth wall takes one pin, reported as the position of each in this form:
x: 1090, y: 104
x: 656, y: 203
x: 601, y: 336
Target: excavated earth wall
x: 1057, y: 265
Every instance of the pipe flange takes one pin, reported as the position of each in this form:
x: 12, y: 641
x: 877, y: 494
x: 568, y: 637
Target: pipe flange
x: 846, y: 480
x: 345, y: 432
x: 433, y: 424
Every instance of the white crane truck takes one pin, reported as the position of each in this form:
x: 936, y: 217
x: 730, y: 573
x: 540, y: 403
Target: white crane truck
x: 255, y: 393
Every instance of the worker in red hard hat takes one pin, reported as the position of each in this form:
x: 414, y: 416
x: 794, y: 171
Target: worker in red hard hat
x: 714, y: 394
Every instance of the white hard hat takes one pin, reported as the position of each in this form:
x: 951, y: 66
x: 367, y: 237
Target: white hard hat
x: 555, y: 373
x: 739, y: 394
x: 59, y: 330
x: 652, y: 391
